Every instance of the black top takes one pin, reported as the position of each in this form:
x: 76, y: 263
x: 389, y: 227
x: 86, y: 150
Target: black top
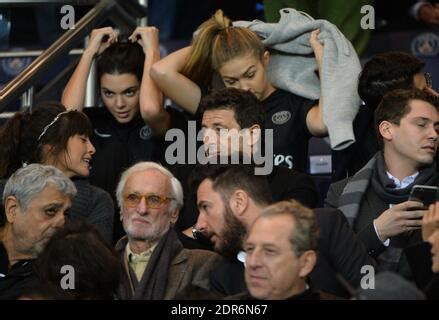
x: 432, y: 289
x: 118, y: 146
x: 182, y: 171
x: 286, y: 115
x: 348, y: 161
x: 227, y: 277
x: 285, y: 184
x: 16, y: 280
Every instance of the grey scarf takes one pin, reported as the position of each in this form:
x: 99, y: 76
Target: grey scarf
x: 374, y: 173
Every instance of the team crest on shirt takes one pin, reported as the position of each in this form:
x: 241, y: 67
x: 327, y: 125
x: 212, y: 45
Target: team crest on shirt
x: 281, y: 117
x: 145, y: 132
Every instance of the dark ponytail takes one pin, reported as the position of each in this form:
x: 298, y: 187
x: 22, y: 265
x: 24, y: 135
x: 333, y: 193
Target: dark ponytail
x: 10, y: 136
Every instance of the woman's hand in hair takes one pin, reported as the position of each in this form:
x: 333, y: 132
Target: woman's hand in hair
x: 101, y: 39
x: 74, y: 93
x: 148, y: 38
x: 314, y: 118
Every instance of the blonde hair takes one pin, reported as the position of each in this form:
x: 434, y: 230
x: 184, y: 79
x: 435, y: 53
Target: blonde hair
x: 217, y: 42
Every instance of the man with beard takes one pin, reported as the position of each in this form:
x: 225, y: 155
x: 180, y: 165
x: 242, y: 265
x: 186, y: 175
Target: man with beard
x: 231, y: 197
x: 155, y: 265
x: 36, y: 199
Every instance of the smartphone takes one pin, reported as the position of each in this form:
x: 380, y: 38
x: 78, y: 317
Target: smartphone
x: 425, y: 194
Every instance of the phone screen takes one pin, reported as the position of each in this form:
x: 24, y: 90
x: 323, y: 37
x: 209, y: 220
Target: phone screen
x: 425, y: 194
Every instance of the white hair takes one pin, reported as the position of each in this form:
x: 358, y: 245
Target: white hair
x: 176, y: 188
x: 28, y: 182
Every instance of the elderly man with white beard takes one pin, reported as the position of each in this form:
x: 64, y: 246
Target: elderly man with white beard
x: 155, y: 265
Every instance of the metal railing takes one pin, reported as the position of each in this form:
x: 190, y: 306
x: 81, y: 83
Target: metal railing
x: 33, y: 53
x: 122, y: 13
x: 17, y: 3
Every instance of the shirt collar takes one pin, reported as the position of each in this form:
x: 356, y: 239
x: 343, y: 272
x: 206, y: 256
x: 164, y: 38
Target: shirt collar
x: 141, y: 256
x: 404, y: 182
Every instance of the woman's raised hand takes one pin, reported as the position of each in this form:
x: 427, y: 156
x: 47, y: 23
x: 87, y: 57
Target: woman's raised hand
x: 101, y: 39
x: 147, y: 37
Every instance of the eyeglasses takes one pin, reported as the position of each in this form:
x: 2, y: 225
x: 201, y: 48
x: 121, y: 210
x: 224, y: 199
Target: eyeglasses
x: 153, y: 201
x: 428, y: 80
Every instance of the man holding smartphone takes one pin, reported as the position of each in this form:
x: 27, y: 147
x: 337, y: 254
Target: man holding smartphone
x: 375, y: 199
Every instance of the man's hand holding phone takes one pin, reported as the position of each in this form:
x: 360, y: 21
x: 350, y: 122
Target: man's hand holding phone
x: 403, y: 217
x: 426, y: 194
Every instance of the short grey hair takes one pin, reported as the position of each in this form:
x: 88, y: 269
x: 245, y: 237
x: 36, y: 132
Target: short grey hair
x: 304, y: 236
x: 176, y: 188
x: 28, y: 182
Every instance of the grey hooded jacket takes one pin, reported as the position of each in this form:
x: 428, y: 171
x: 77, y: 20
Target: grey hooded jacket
x: 292, y: 68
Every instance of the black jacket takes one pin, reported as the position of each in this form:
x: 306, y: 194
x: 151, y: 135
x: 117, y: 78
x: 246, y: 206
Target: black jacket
x: 16, y: 280
x: 285, y: 184
x: 339, y: 251
x: 415, y: 263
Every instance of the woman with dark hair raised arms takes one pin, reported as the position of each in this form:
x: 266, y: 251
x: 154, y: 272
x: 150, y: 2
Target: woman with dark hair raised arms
x: 123, y: 130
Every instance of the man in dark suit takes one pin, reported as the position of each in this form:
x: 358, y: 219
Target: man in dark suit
x: 231, y: 197
x: 375, y: 200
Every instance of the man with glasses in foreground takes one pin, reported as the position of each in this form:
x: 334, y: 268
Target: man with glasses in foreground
x: 154, y: 263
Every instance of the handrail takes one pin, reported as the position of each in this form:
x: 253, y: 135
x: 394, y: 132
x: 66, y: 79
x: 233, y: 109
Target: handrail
x: 33, y: 53
x: 18, y: 85
x: 33, y: 2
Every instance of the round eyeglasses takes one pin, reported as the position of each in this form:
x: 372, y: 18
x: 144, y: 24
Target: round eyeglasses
x: 152, y: 201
